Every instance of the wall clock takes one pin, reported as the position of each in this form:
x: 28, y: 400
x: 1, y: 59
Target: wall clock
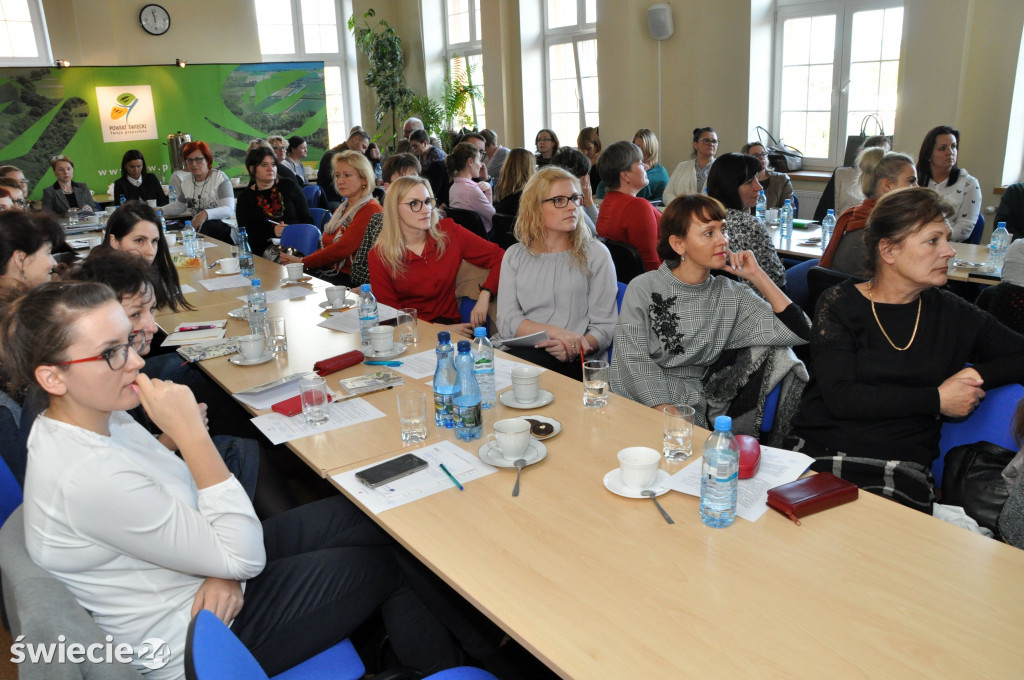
x: 155, y: 19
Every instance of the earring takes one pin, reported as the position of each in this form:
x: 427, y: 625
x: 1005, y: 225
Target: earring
x: 682, y: 258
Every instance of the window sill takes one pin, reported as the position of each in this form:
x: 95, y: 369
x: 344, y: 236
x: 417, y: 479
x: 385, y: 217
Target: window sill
x: 811, y: 176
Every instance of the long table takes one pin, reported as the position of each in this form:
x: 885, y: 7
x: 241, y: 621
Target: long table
x: 599, y: 586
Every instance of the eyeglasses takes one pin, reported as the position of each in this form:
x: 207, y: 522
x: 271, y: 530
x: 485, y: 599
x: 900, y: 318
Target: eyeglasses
x: 278, y: 148
x: 759, y: 155
x: 709, y: 141
x: 195, y: 160
x: 416, y: 204
x: 117, y: 356
x: 562, y: 201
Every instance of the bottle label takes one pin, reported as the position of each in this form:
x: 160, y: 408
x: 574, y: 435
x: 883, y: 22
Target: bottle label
x: 483, y: 365
x: 443, y: 405
x: 468, y: 416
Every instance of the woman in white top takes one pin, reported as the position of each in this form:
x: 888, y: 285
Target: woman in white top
x: 690, y: 176
x: 144, y: 539
x: 204, y: 193
x: 937, y: 170
x: 297, y: 150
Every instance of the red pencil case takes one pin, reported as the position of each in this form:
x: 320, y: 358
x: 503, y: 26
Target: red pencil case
x: 337, y: 363
x: 292, y: 407
x: 811, y: 494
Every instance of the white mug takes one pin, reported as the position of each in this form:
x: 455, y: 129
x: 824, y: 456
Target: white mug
x: 525, y: 384
x: 251, y: 346
x: 511, y: 436
x: 172, y: 238
x: 336, y: 295
x: 382, y: 338
x: 638, y: 467
x: 294, y: 270
x: 229, y: 265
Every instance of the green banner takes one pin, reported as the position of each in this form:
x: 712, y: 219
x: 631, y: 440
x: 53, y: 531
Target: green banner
x: 48, y: 111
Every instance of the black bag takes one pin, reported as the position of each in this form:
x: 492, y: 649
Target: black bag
x: 972, y: 477
x: 853, y: 142
x: 782, y: 157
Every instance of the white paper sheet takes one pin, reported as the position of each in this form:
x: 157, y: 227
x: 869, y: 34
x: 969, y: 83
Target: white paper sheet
x: 526, y: 340
x: 281, y: 294
x: 179, y: 248
x: 422, y: 365
x: 463, y: 465
x: 348, y: 321
x: 226, y: 282
x: 266, y: 398
x: 280, y: 428
x: 778, y: 466
x: 185, y: 288
x: 178, y: 337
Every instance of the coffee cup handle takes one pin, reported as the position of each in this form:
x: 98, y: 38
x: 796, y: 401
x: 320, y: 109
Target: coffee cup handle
x: 493, y: 438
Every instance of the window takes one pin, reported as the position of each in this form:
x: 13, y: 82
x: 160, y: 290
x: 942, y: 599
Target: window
x: 23, y: 39
x: 465, y: 55
x: 838, y: 63
x: 570, y: 41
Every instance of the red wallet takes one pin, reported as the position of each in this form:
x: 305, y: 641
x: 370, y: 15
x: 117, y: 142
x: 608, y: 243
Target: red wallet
x: 337, y: 363
x: 291, y: 407
x: 811, y: 494
x: 750, y: 455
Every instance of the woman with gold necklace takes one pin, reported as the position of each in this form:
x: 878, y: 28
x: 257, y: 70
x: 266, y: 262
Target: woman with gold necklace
x: 888, y: 356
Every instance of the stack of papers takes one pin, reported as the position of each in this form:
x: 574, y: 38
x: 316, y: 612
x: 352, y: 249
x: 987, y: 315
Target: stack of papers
x: 208, y: 330
x: 348, y: 321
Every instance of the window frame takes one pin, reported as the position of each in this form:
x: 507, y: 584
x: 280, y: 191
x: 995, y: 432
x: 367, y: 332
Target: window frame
x: 575, y: 34
x: 42, y: 39
x: 474, y: 47
x: 840, y: 104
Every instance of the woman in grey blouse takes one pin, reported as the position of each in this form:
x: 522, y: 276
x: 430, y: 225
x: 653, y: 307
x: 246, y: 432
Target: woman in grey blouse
x: 558, y: 279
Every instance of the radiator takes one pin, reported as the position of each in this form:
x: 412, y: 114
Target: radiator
x: 808, y: 202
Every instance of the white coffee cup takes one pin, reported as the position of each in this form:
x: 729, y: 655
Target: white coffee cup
x: 525, y: 384
x: 251, y: 346
x: 172, y: 238
x: 151, y: 203
x: 336, y: 295
x: 511, y: 437
x: 638, y: 467
x: 229, y: 265
x: 294, y: 270
x: 382, y: 338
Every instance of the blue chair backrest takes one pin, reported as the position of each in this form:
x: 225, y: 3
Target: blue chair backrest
x: 10, y: 492
x: 979, y: 227
x: 305, y: 237
x: 796, y: 284
x: 314, y: 196
x: 320, y: 217
x: 10, y: 488
x: 466, y: 305
x: 796, y: 206
x: 992, y: 422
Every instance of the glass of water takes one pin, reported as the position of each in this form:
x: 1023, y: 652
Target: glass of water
x: 72, y: 216
x: 595, y: 383
x: 412, y: 410
x: 678, y: 442
x: 407, y: 332
x: 313, y: 391
x: 277, y: 338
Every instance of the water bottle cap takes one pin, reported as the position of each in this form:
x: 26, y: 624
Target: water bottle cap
x: 723, y: 424
x: 1000, y: 225
x: 761, y: 192
x: 479, y: 332
x: 365, y: 288
x: 444, y: 337
x: 463, y: 345
x: 788, y: 202
x: 255, y: 282
x: 831, y: 212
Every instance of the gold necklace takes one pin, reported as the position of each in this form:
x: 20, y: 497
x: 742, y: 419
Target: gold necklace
x: 882, y: 328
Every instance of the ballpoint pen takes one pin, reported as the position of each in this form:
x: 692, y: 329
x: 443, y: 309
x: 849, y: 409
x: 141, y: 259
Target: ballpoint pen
x: 452, y: 477
x: 197, y: 328
x: 382, y: 363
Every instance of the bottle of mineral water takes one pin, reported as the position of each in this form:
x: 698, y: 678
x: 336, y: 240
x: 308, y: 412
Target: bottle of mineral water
x: 446, y: 385
x: 172, y: 193
x: 719, y: 478
x: 163, y: 223
x: 468, y: 418
x: 483, y: 366
x: 997, y: 246
x: 368, y: 318
x: 257, y: 309
x: 761, y: 209
x: 188, y: 238
x: 828, y: 223
x: 245, y: 262
x: 786, y: 220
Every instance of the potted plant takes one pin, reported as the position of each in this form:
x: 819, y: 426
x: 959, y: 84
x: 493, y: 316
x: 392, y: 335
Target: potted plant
x: 386, y: 73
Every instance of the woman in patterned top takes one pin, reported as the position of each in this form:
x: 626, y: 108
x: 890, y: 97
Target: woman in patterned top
x: 268, y: 205
x: 677, y: 321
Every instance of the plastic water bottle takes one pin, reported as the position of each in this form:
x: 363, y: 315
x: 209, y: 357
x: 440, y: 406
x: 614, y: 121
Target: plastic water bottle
x: 257, y: 309
x: 786, y: 220
x: 121, y: 200
x: 828, y: 223
x: 483, y: 366
x: 997, y: 246
x: 468, y: 417
x: 446, y: 384
x: 245, y: 262
x: 188, y: 239
x: 761, y: 209
x: 172, y: 193
x: 720, y: 474
x: 367, y: 313
x: 163, y: 223
x: 378, y: 173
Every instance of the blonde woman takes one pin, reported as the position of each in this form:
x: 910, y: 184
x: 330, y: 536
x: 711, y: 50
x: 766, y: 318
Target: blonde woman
x: 558, y: 279
x: 517, y: 171
x: 417, y: 257
x: 355, y: 181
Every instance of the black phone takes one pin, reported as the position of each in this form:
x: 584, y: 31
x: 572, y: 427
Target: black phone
x: 391, y: 470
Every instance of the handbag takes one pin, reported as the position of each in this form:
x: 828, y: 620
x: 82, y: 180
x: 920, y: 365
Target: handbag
x: 782, y: 157
x: 972, y: 477
x: 853, y: 142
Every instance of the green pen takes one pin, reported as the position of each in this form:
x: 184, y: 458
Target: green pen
x: 452, y: 477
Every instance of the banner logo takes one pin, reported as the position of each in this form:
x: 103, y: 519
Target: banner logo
x: 126, y: 113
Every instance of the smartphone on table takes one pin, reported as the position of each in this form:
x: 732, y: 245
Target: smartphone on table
x: 391, y: 470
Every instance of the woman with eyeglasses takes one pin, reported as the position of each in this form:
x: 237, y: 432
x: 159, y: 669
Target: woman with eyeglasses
x: 547, y: 146
x: 297, y: 150
x: 203, y: 192
x: 623, y: 216
x: 145, y: 539
x: 135, y: 184
x: 66, y: 193
x: 416, y: 258
x: 690, y: 176
x: 776, y: 185
x: 269, y: 203
x: 558, y: 279
x: 13, y: 189
x: 17, y: 175
x: 466, y: 193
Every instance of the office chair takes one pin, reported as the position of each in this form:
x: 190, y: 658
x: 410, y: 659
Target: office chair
x: 626, y: 258
x: 468, y: 220
x: 303, y: 237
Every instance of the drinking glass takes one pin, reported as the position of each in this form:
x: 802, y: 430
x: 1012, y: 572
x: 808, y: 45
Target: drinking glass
x: 313, y: 391
x: 407, y: 331
x: 678, y: 442
x: 277, y: 337
x: 201, y: 250
x: 595, y: 383
x: 412, y: 411
x: 72, y: 216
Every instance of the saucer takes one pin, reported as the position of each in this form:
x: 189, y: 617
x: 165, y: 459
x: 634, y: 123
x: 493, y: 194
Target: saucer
x: 543, y: 399
x: 395, y: 350
x: 535, y: 452
x: 240, y: 360
x: 349, y: 302
x: 544, y: 419
x: 240, y: 313
x: 218, y: 272
x: 613, y: 482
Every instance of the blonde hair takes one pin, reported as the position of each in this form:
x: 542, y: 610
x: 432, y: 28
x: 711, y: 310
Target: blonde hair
x: 360, y: 164
x: 515, y: 173
x: 648, y: 146
x: 876, y: 164
x: 390, y: 244
x: 531, y: 229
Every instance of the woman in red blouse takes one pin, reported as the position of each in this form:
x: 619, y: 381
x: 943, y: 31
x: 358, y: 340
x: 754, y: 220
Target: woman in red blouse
x: 416, y: 258
x: 624, y: 217
x: 355, y: 181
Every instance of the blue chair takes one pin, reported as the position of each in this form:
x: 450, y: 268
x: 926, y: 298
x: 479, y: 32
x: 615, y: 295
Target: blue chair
x: 796, y: 283
x: 10, y: 492
x: 304, y: 237
x: 979, y: 227
x: 320, y: 217
x: 618, y: 306
x: 315, y: 197
x: 796, y: 206
x: 771, y: 405
x: 466, y: 305
x: 10, y: 487
x: 992, y: 421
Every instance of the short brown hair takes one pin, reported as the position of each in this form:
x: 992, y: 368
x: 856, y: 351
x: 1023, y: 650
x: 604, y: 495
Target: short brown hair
x: 902, y: 213
x: 398, y: 164
x: 678, y: 217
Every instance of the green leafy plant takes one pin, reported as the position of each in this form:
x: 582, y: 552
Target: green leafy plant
x: 386, y: 74
x: 455, y: 109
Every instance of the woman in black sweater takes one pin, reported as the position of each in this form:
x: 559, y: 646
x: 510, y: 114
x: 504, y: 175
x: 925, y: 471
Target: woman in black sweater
x: 888, y: 356
x: 135, y: 183
x: 268, y: 205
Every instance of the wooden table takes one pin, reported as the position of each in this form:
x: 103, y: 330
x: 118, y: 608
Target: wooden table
x: 795, y: 246
x: 968, y: 252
